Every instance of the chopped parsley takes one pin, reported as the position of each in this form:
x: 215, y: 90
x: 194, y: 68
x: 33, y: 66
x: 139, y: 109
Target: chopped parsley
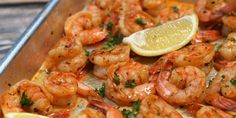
x: 233, y: 81
x: 101, y: 25
x: 109, y: 25
x: 132, y: 113
x: 222, y: 78
x: 114, y: 40
x: 128, y: 113
x: 87, y: 53
x: 175, y: 9
x: 101, y: 90
x: 130, y: 84
x: 116, y: 79
x: 158, y: 24
x: 136, y: 106
x: 210, y: 82
x: 139, y: 21
x: 25, y: 101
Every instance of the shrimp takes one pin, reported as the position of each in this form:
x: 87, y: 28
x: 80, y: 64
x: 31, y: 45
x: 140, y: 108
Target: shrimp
x: 222, y: 93
x: 103, y: 59
x: 133, y: 19
x: 153, y: 106
x: 206, y: 36
x: 111, y: 112
x: 182, y: 86
x: 113, y: 55
x: 229, y: 23
x: 228, y: 49
x: 165, y: 10
x: 128, y: 82
x: 211, y: 112
x: 109, y: 4
x: 67, y: 56
x: 84, y: 26
x: 194, y: 55
x: 26, y: 96
x: 90, y: 113
x: 63, y: 87
x: 213, y: 10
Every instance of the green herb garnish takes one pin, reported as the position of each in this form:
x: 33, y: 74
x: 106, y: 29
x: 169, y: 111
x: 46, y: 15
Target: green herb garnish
x: 140, y: 22
x: 114, y: 40
x: 101, y: 25
x: 210, y: 82
x: 136, y: 106
x: 87, y: 53
x: 101, y: 90
x: 116, y: 79
x: 130, y: 84
x: 175, y: 9
x: 109, y: 25
x: 128, y: 113
x: 158, y: 24
x: 233, y: 81
x: 132, y: 113
x: 25, y: 101
x: 222, y: 78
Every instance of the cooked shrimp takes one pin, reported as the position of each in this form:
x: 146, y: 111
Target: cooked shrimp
x: 212, y: 112
x: 222, y: 93
x: 63, y: 87
x: 227, y: 82
x: 109, y: 4
x: 101, y: 71
x: 26, y: 96
x: 194, y: 55
x: 67, y: 56
x: 213, y: 10
x: 84, y: 26
x: 228, y: 49
x: 229, y: 23
x: 206, y: 36
x: 90, y: 113
x: 166, y: 10
x: 113, y: 55
x: 111, y: 112
x: 182, y: 86
x: 153, y: 106
x: 86, y: 91
x: 103, y: 59
x: 127, y: 82
x: 133, y: 19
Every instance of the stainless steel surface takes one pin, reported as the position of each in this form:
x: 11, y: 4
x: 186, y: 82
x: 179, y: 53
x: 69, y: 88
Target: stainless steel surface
x: 26, y: 57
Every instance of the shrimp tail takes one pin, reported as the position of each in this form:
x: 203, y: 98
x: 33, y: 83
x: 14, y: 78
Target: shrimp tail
x: 100, y: 104
x: 221, y: 102
x: 111, y: 112
x: 208, y: 35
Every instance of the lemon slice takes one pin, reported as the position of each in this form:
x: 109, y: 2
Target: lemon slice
x: 164, y: 38
x: 23, y: 115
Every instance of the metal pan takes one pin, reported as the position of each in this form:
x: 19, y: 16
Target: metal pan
x: 23, y: 61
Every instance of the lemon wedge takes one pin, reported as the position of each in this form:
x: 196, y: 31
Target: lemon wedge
x: 164, y: 38
x: 23, y: 115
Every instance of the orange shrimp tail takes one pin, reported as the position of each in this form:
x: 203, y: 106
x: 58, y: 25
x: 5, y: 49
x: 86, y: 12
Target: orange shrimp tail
x: 192, y: 109
x: 205, y: 36
x: 60, y: 114
x: 100, y: 104
x: 221, y: 102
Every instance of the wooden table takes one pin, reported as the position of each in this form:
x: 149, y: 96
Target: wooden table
x: 14, y: 19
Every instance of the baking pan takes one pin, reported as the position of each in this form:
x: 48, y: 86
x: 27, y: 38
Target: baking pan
x: 23, y: 61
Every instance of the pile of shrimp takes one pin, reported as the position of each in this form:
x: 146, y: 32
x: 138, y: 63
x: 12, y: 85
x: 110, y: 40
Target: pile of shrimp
x: 199, y: 79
